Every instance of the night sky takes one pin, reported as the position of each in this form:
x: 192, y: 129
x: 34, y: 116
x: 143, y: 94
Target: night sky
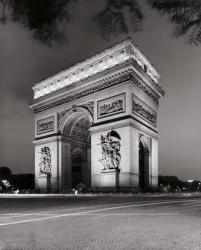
x: 25, y: 61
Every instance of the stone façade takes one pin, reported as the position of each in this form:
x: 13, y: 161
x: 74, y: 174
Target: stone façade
x: 98, y: 120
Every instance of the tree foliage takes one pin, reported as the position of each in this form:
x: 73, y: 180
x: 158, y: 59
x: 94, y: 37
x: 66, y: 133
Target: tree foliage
x: 47, y: 19
x: 113, y: 18
x: 173, y: 181
x: 185, y: 14
x: 23, y: 181
x: 5, y: 172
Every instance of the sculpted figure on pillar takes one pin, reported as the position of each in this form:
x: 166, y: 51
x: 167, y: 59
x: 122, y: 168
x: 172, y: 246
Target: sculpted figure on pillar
x: 110, y: 145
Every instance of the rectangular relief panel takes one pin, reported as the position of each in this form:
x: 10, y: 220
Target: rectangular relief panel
x: 111, y: 106
x: 141, y: 109
x: 45, y: 125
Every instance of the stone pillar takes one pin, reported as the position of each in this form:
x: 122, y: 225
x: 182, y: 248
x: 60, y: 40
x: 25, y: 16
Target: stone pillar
x: 88, y: 166
x: 134, y: 162
x: 150, y: 169
x: 147, y: 172
x: 128, y: 175
x: 65, y: 165
x: 84, y: 172
x: 154, y: 163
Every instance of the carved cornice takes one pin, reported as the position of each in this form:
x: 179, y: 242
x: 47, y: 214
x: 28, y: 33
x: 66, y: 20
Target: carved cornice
x: 108, y: 58
x: 128, y: 74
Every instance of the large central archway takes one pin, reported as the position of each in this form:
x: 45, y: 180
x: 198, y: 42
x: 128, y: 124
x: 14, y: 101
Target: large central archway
x: 75, y: 128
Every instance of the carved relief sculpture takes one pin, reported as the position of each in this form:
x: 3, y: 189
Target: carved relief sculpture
x: 45, y: 164
x: 60, y: 115
x: 111, y: 106
x: 89, y: 106
x: 45, y: 125
x: 110, y: 145
x: 142, y: 109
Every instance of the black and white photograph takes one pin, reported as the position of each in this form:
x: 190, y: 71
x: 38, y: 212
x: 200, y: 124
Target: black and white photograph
x: 100, y: 139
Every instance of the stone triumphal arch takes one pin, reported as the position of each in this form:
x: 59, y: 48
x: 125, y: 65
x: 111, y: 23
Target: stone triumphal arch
x: 96, y: 123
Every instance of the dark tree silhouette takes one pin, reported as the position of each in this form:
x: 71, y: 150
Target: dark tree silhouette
x: 23, y: 181
x: 113, y: 19
x: 173, y: 181
x: 5, y: 173
x: 48, y: 18
x: 185, y: 14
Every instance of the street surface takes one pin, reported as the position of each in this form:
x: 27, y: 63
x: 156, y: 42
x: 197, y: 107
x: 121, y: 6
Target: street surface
x: 101, y: 222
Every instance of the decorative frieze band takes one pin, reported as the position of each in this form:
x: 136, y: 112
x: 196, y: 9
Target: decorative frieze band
x: 143, y: 110
x: 119, y: 53
x: 113, y: 80
x: 111, y: 106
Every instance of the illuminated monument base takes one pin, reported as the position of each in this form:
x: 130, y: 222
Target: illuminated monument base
x: 96, y: 124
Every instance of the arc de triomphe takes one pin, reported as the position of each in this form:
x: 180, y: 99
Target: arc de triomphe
x: 96, y: 123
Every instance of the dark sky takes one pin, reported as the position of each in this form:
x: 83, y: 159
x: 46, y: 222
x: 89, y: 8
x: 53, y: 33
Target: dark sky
x: 25, y: 61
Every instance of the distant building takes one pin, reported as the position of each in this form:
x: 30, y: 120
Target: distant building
x: 96, y: 123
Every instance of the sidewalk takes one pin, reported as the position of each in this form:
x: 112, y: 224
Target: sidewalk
x: 100, y: 194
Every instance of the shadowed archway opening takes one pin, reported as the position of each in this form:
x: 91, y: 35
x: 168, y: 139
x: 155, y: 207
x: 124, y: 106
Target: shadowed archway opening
x: 77, y: 170
x: 76, y: 132
x: 143, y: 166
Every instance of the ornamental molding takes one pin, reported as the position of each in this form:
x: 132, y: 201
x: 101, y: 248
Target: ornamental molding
x: 127, y: 74
x: 106, y: 59
x: 46, y: 125
x: 146, y: 141
x: 143, y: 110
x: 88, y: 105
x: 60, y: 116
x: 45, y: 165
x: 111, y: 106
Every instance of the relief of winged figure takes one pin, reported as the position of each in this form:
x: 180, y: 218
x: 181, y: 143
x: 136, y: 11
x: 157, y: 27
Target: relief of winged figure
x: 110, y: 145
x: 45, y: 161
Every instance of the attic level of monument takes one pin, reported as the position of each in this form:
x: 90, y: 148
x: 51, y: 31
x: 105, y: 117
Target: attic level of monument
x: 107, y: 59
x: 96, y: 124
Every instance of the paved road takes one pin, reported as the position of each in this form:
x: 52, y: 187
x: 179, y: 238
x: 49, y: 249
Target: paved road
x: 103, y: 222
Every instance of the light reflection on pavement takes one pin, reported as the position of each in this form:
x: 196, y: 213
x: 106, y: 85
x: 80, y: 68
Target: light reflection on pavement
x: 101, y: 222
